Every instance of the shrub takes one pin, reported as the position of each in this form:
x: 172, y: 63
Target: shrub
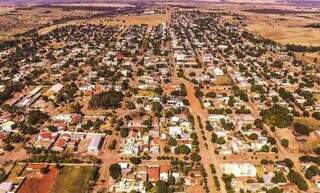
x: 297, y: 179
x: 285, y: 143
x: 115, y: 171
x: 301, y: 129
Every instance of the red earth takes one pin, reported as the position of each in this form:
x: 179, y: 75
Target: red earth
x: 39, y: 183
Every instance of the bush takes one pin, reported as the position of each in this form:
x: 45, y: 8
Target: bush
x: 213, y: 169
x: 162, y: 187
x: 115, y: 171
x: 36, y: 116
x: 297, y: 179
x: 8, y: 147
x: 220, y: 140
x: 172, y: 141
x: 253, y: 136
x: 288, y: 163
x: 166, y: 149
x: 124, y: 132
x: 135, y: 160
x: 214, y: 137
x: 112, y: 145
x: 265, y: 148
x: 316, y: 150
x: 195, y: 157
x: 182, y: 149
x: 301, y: 129
x: 285, y: 143
x: 44, y: 170
x: 279, y: 177
x: 274, y: 190
x: 316, y: 115
x: 312, y: 171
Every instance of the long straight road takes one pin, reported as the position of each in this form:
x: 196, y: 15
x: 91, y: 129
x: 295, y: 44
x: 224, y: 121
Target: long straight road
x: 207, y: 154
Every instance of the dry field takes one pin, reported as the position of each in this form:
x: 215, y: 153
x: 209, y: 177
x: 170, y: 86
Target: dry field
x: 132, y: 20
x: 118, y: 5
x: 309, y: 57
x: 286, y: 26
x: 150, y: 20
x: 286, y: 29
x: 40, y: 183
x: 72, y: 179
x: 15, y: 20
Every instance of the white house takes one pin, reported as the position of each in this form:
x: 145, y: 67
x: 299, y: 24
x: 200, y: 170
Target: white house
x: 239, y: 170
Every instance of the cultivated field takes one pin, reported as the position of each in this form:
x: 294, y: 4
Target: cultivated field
x: 72, y: 179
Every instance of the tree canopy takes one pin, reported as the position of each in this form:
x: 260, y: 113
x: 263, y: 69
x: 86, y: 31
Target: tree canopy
x: 109, y: 99
x: 277, y: 116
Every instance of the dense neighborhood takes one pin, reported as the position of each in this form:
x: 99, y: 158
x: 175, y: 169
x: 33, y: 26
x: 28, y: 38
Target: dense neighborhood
x: 192, y: 103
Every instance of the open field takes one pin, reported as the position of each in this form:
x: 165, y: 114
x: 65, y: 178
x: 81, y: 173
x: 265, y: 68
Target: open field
x: 279, y: 22
x: 18, y: 20
x: 39, y: 183
x: 72, y: 179
x: 309, y: 57
x: 282, y: 23
x: 289, y: 29
x: 119, y: 20
x: 93, y: 5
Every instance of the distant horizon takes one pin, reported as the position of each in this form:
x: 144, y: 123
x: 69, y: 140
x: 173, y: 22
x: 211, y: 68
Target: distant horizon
x: 106, y: 1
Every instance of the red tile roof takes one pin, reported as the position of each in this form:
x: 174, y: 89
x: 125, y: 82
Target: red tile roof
x: 153, y: 174
x: 164, y: 168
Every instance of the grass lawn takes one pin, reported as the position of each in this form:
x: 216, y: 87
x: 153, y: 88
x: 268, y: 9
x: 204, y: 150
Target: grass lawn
x: 73, y: 179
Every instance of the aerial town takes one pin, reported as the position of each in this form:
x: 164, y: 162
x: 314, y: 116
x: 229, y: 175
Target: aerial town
x: 160, y: 99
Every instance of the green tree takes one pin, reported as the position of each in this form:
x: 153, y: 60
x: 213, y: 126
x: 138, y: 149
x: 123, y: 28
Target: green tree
x: 285, y: 143
x: 135, y: 160
x: 36, y: 116
x: 302, y: 129
x: 277, y: 116
x: 109, y: 99
x: 195, y: 157
x: 115, y: 171
x: 297, y: 179
x: 220, y: 140
x: 279, y: 177
x: 124, y: 132
x: 162, y: 187
x: 274, y: 190
x: 312, y: 171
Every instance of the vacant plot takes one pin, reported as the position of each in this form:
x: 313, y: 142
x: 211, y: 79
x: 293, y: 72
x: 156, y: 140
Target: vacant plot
x: 289, y: 29
x: 117, y: 5
x: 222, y: 80
x: 312, y: 58
x: 73, y: 179
x: 151, y: 20
x: 38, y: 182
x: 286, y: 133
x: 19, y: 20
